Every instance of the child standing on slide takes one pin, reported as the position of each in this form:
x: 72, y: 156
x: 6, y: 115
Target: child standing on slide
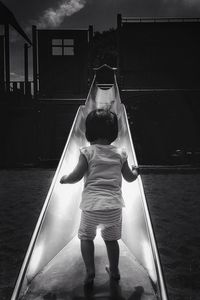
x: 102, y: 166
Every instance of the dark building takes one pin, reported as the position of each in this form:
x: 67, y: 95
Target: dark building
x: 159, y: 71
x: 63, y: 62
x: 159, y: 53
x: 60, y: 72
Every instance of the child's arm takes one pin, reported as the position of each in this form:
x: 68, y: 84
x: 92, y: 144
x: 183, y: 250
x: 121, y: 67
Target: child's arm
x: 128, y: 174
x: 78, y: 173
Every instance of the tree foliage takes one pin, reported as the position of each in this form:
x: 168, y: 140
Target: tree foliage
x: 104, y: 49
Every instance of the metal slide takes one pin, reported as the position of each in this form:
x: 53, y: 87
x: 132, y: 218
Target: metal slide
x: 53, y: 268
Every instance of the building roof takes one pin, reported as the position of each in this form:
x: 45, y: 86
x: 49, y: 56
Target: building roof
x: 158, y: 20
x: 7, y: 17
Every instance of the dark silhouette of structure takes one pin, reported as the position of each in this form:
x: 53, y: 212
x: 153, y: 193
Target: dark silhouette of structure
x: 63, y: 62
x: 159, y: 67
x: 60, y: 72
x: 159, y: 53
x: 6, y: 19
x: 36, y: 116
x: 158, y: 72
x: 17, y: 115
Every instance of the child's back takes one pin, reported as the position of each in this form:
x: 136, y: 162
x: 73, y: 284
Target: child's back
x: 102, y: 182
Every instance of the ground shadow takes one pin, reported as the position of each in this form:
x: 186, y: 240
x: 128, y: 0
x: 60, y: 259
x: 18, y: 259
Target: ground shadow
x: 115, y: 293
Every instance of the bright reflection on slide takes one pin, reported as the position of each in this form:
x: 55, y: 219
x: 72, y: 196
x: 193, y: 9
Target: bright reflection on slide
x: 37, y: 257
x: 147, y: 254
x: 102, y: 101
x: 134, y: 227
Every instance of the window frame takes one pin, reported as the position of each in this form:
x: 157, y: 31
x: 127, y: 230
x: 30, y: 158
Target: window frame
x: 63, y: 45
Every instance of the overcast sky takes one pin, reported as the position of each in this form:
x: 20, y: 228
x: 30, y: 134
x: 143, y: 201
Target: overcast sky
x: 102, y: 14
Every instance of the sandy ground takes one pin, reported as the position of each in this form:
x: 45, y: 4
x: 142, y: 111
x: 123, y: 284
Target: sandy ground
x: 174, y: 205
x: 173, y: 201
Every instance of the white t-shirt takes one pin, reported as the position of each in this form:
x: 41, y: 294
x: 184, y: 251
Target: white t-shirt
x: 102, y: 182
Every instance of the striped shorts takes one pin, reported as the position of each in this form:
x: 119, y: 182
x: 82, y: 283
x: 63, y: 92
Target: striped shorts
x: 109, y: 221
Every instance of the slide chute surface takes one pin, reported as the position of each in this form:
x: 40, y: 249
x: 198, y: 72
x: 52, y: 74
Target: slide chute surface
x: 58, y: 222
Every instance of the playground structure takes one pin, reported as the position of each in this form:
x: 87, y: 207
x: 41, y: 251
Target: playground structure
x: 158, y: 71
x: 52, y: 265
x: 47, y: 103
x: 8, y: 19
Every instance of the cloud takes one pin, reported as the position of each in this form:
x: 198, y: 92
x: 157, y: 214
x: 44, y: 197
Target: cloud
x: 16, y: 76
x: 52, y: 18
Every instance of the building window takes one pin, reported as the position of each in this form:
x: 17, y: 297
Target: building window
x: 62, y: 47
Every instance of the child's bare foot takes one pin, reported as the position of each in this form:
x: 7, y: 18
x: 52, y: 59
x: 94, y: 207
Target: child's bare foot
x: 114, y: 276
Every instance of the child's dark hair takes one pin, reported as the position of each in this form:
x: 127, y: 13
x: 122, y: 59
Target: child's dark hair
x: 101, y: 123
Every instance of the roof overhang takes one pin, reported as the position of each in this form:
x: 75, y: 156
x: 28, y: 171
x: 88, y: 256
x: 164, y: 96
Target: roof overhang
x: 7, y: 17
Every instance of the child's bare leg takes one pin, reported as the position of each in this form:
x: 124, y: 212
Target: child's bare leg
x: 87, y: 251
x: 113, y: 257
